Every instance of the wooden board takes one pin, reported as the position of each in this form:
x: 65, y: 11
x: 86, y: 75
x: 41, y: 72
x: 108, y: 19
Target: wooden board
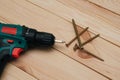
x: 13, y: 73
x: 62, y: 62
x: 112, y: 5
x: 54, y: 66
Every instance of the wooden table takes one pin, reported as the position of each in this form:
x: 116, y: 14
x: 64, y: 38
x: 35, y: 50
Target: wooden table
x: 61, y: 62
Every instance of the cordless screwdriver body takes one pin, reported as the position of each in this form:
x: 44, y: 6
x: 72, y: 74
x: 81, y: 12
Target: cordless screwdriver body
x: 15, y: 39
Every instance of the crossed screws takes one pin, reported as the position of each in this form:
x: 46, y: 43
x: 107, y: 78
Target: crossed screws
x: 80, y: 45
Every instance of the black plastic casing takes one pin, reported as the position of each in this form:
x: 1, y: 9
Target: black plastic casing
x: 38, y: 38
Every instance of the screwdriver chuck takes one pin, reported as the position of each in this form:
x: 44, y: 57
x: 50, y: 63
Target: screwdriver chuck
x: 45, y: 39
x: 38, y: 38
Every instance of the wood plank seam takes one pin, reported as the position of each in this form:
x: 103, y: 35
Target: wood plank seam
x: 8, y: 74
x: 85, y: 65
x: 103, y: 7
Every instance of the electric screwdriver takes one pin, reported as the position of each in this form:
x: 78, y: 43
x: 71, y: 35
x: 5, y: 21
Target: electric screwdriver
x: 15, y: 39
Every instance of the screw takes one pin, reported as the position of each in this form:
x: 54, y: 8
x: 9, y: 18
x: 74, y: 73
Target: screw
x: 84, y: 50
x: 75, y: 28
x: 93, y: 55
x: 68, y: 44
x: 75, y: 47
x: 89, y: 40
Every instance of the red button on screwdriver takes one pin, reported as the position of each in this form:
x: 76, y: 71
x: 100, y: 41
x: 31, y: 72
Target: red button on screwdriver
x: 10, y: 41
x: 16, y: 52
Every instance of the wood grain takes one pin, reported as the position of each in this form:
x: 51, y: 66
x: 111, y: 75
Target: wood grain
x: 55, y: 17
x: 54, y: 66
x: 99, y: 25
x: 13, y: 73
x: 113, y: 5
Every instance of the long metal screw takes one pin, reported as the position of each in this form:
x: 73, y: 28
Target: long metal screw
x: 89, y: 40
x: 77, y: 35
x: 68, y: 44
x: 84, y: 50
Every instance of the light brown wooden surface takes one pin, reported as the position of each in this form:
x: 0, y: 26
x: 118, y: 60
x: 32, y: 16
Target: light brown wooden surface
x: 13, y: 73
x: 112, y: 5
x: 97, y: 25
x: 61, y: 62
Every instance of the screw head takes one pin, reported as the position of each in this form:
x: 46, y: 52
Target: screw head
x: 75, y: 47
